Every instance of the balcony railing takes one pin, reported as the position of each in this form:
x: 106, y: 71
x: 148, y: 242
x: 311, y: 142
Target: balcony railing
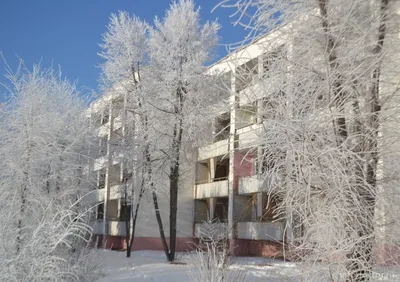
x: 98, y: 227
x: 94, y: 196
x: 217, y: 187
x: 219, y: 148
x: 104, y: 129
x: 253, y: 184
x: 117, y: 122
x: 249, y: 136
x: 211, y: 180
x: 100, y: 163
x: 118, y: 192
x: 114, y: 228
x: 250, y: 93
x: 271, y: 231
x: 211, y: 230
x: 260, y: 88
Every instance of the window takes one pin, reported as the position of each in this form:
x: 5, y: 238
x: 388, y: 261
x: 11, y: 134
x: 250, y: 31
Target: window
x: 125, y: 212
x: 100, y: 211
x: 221, y: 210
x: 222, y: 170
x: 126, y: 175
x: 201, y: 211
x: 102, y: 179
x: 103, y: 146
x: 106, y: 117
x: 112, y: 210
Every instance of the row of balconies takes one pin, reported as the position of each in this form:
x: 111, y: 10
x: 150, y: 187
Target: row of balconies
x: 116, y: 192
x: 105, y: 128
x: 272, y: 231
x: 101, y: 162
x: 248, y: 137
x: 258, y: 90
x: 217, y: 189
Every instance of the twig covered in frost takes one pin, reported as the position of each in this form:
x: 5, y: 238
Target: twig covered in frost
x: 211, y: 262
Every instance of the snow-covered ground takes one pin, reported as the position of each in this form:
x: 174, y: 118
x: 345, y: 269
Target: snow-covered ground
x: 152, y: 266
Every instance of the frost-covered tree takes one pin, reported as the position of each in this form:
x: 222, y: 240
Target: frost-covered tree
x: 330, y: 126
x: 43, y: 149
x: 160, y: 71
x: 124, y: 51
x: 180, y: 94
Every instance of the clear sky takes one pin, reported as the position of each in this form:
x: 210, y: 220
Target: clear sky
x: 67, y: 32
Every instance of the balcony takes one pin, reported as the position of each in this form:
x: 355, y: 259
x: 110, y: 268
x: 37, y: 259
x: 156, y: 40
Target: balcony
x: 250, y: 94
x: 271, y: 231
x: 260, y: 89
x: 104, y: 129
x: 249, y: 136
x: 100, y: 163
x: 117, y: 123
x: 253, y: 184
x: 210, y: 230
x: 245, y: 116
x: 219, y: 148
x: 217, y: 188
x: 114, y: 228
x: 98, y: 227
x: 117, y: 157
x: 94, y: 196
x: 118, y: 192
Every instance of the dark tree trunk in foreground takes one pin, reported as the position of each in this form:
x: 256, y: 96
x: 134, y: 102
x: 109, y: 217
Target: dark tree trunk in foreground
x: 174, y: 171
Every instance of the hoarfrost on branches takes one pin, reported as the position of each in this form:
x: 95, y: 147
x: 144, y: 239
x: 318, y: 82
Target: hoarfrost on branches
x: 44, y: 139
x: 329, y: 126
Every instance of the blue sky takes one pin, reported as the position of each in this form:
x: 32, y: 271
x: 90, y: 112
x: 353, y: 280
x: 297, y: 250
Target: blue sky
x: 67, y: 32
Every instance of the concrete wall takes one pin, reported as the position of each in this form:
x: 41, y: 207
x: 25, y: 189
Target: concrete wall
x: 147, y: 225
x: 243, y: 166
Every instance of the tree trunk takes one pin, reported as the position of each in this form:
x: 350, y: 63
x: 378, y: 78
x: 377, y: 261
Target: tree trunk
x: 21, y: 213
x: 129, y: 241
x: 149, y: 172
x: 128, y: 238
x: 160, y: 225
x: 24, y: 188
x: 174, y: 173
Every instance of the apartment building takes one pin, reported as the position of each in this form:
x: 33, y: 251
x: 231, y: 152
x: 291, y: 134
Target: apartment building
x: 227, y: 184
